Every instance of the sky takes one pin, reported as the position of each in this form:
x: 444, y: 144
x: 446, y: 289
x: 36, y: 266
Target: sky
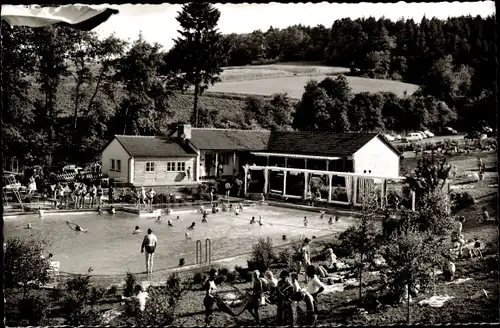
x: 158, y: 24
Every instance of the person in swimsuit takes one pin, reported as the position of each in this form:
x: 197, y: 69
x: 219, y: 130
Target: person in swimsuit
x: 210, y: 296
x: 99, y: 210
x: 99, y: 195
x: 112, y: 210
x: 137, y: 230
x: 322, y: 215
x: 237, y: 211
x: 252, y: 221
x: 306, y: 222
x: 29, y: 226
x: 191, y: 227
x: 150, y: 195
x: 75, y: 226
x: 92, y: 193
x: 204, y: 219
x: 158, y: 219
x: 169, y: 223
x: 330, y: 220
x: 178, y: 217
x: 186, y: 234
x: 149, y: 243
x: 261, y: 222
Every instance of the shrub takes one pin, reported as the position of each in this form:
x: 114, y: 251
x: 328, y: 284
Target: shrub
x: 23, y: 263
x: 29, y: 310
x: 79, y: 299
x: 198, y: 278
x: 112, y: 290
x: 461, y: 201
x: 231, y: 277
x: 243, y: 273
x: 130, y: 282
x: 162, y: 303
x: 220, y: 279
x: 263, y: 253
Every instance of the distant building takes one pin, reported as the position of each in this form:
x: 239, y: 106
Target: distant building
x: 191, y: 155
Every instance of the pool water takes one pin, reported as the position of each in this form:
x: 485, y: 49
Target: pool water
x: 110, y: 248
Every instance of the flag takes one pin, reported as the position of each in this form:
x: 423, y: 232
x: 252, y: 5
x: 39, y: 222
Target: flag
x: 79, y: 17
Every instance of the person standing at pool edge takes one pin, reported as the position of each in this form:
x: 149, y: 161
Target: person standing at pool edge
x: 149, y: 243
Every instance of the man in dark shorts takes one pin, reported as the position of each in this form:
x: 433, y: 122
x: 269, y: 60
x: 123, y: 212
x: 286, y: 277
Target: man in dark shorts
x: 149, y: 243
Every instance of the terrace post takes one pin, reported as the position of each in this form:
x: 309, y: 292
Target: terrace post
x: 354, y: 189
x: 305, y: 184
x: 234, y: 162
x: 284, y: 176
x: 266, y: 179
x: 328, y: 176
x: 216, y: 165
x: 284, y: 182
x: 245, y: 168
x: 329, y: 187
x: 413, y: 200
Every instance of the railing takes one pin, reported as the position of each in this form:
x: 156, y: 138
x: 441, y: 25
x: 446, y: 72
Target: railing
x: 208, y: 254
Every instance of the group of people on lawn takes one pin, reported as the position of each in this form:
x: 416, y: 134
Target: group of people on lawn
x: 286, y: 293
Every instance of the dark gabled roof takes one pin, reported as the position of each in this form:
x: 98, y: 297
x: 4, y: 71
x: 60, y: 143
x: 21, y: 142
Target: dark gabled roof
x: 226, y: 139
x: 320, y: 143
x: 147, y: 146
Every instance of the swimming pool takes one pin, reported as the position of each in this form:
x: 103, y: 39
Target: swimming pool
x: 110, y: 248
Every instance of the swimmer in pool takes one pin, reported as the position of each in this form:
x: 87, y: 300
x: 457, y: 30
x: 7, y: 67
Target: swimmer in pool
x: 201, y: 209
x: 99, y: 210
x: 169, y: 223
x: 186, y: 234
x: 261, y: 222
x: 178, y: 217
x: 252, y: 221
x: 230, y: 207
x: 29, y: 226
x: 306, y: 222
x: 204, y: 219
x: 240, y: 206
x: 224, y: 207
x: 75, y: 226
x: 158, y: 219
x: 330, y: 220
x: 137, y: 230
x: 322, y: 214
x: 237, y: 211
x: 336, y: 218
x: 40, y: 212
x: 191, y: 227
x: 214, y: 209
x: 112, y: 210
x: 149, y: 243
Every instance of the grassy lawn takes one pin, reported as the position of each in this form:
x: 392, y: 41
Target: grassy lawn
x: 294, y: 85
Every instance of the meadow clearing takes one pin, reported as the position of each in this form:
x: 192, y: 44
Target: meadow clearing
x: 254, y: 81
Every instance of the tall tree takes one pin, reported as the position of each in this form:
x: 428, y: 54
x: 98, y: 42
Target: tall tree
x: 199, y: 52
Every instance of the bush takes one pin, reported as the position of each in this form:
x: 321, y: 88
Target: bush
x: 26, y: 311
x: 231, y: 277
x: 243, y: 274
x: 263, y: 253
x: 23, y: 263
x: 198, y: 278
x: 112, y: 290
x: 461, y: 201
x: 130, y: 282
x: 79, y: 300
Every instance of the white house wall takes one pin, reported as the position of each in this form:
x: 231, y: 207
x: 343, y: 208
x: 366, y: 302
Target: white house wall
x: 160, y: 176
x: 377, y: 157
x: 115, y: 151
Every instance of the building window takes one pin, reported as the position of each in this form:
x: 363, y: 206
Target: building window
x: 150, y: 166
x: 170, y: 166
x: 181, y: 166
x: 118, y: 165
x: 113, y: 165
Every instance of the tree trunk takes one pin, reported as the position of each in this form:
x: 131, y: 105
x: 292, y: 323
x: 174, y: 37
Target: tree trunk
x: 96, y: 90
x: 77, y: 102
x: 195, y: 105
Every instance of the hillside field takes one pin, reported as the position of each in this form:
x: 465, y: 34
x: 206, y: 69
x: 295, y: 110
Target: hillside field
x: 292, y: 77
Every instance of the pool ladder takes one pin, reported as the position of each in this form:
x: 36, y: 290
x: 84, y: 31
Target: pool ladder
x: 208, y: 254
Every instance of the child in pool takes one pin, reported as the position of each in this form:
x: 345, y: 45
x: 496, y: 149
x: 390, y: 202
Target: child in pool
x: 136, y: 230
x: 191, y: 227
x: 186, y: 234
x: 204, y: 219
x: 158, y: 219
x: 230, y: 207
x: 252, y: 221
x: 169, y: 223
x: 306, y: 222
x: 99, y: 210
x: 260, y: 220
x: 237, y: 211
x: 330, y: 220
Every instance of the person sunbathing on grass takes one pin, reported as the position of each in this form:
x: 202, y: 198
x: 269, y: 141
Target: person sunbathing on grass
x: 75, y: 227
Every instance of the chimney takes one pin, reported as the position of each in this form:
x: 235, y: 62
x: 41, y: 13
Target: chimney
x: 184, y: 131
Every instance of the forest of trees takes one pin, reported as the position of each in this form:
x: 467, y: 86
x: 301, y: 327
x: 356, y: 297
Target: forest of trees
x: 66, y: 92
